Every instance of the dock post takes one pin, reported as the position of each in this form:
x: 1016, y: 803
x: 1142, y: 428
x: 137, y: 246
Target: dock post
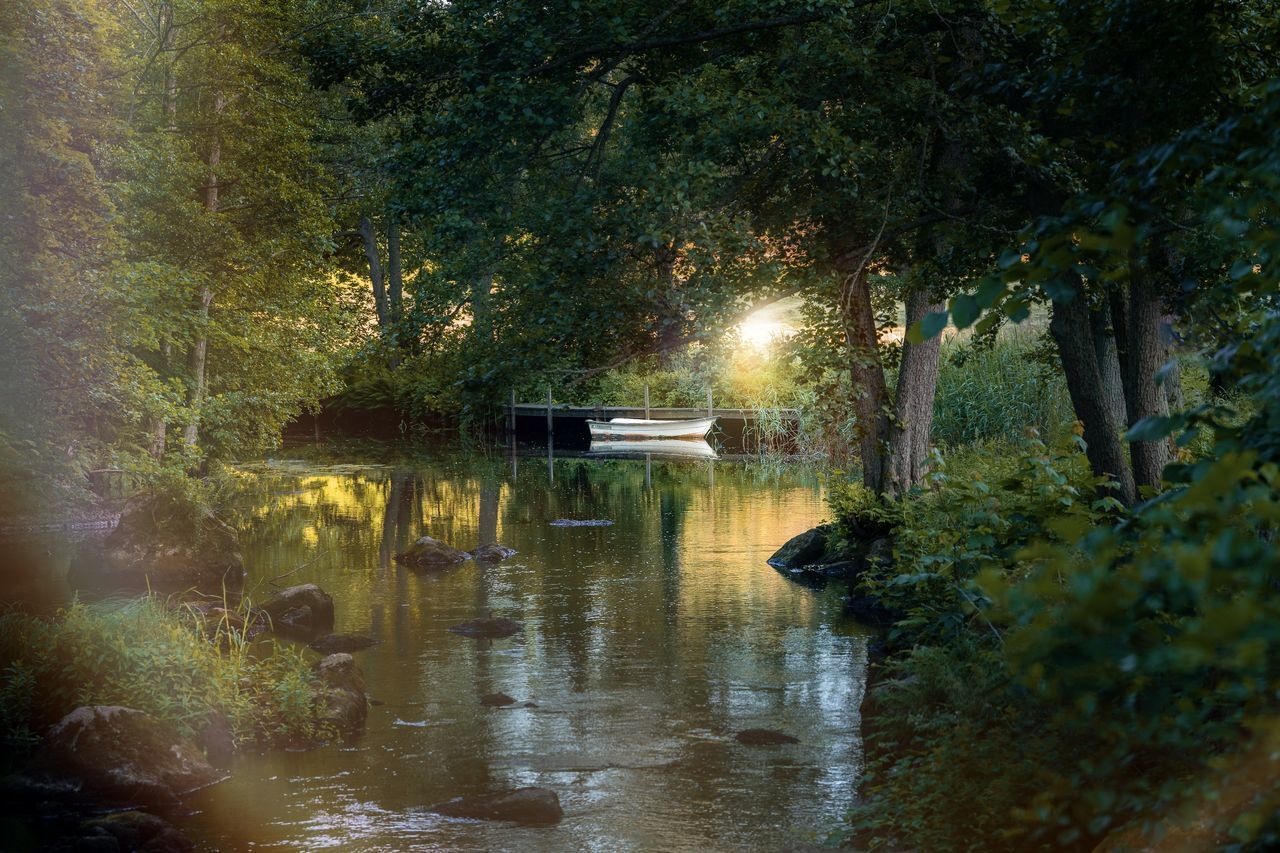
x: 551, y: 430
x: 646, y: 401
x: 709, y: 409
x: 511, y: 414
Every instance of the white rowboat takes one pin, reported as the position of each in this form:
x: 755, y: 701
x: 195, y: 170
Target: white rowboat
x: 632, y: 429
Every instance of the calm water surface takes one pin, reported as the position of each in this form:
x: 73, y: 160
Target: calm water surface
x: 646, y: 646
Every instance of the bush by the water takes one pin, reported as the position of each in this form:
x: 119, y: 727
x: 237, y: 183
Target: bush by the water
x: 143, y: 654
x: 1070, y: 669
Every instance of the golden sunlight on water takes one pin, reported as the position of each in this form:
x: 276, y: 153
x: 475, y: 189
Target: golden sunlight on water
x: 646, y: 645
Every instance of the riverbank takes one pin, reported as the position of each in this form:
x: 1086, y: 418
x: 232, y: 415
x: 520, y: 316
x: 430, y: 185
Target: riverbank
x: 145, y: 680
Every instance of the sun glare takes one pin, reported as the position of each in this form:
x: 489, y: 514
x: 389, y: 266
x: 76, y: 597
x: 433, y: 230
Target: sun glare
x: 765, y: 327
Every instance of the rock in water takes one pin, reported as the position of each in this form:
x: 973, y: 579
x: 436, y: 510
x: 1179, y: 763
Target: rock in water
x: 331, y: 643
x: 803, y: 550
x: 581, y: 522
x: 764, y: 737
x: 137, y: 831
x: 531, y: 806
x: 344, y: 705
x: 428, y: 553
x: 122, y: 755
x: 488, y: 626
x: 492, y: 553
x: 497, y: 700
x: 304, y: 611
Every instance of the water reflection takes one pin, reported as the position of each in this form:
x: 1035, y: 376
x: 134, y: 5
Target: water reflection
x: 646, y: 645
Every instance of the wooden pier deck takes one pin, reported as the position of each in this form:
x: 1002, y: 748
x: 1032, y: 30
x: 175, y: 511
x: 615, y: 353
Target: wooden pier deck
x: 562, y: 410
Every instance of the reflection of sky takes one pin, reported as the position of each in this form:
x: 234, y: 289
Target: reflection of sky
x: 646, y: 646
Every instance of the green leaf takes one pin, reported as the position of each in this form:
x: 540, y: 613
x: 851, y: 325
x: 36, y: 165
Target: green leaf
x: 964, y: 311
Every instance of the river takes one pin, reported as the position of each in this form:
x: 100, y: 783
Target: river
x: 646, y: 646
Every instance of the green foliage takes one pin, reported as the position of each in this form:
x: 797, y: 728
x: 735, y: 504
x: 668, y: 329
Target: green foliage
x: 171, y: 663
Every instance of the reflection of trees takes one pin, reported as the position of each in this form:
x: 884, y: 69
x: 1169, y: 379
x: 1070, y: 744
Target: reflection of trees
x: 401, y: 514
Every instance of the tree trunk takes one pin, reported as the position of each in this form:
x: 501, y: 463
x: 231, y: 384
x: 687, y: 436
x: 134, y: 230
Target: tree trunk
x: 870, y: 393
x: 200, y: 348
x: 1070, y: 330
x: 1173, y: 395
x: 908, y: 448
x: 1145, y: 355
x: 395, y: 276
x: 169, y: 107
x: 168, y: 38
x: 1107, y: 355
x: 370, y: 241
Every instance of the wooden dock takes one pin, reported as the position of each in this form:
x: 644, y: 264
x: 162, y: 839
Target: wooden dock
x: 563, y: 410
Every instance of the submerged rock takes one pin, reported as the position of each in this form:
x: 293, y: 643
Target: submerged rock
x: 497, y: 700
x: 133, y: 830
x: 488, y: 626
x: 164, y: 544
x: 531, y: 806
x: 332, y: 643
x: 581, y: 522
x: 492, y: 553
x: 123, y: 755
x: 304, y: 611
x: 343, y: 704
x: 764, y: 737
x: 428, y: 553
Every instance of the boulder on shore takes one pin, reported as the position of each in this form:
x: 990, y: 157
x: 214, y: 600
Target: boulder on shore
x: 332, y: 643
x: 488, y: 627
x: 304, y: 611
x: 803, y: 549
x: 428, y: 553
x: 492, y: 553
x: 122, y: 755
x: 166, y: 545
x: 530, y: 806
x: 343, y: 704
x: 818, y: 555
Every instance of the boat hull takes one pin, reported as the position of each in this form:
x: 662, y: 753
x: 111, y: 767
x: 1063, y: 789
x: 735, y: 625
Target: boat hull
x: 634, y: 429
x: 657, y: 448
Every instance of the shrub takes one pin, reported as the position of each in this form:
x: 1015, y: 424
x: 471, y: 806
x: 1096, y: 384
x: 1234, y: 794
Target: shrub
x: 143, y: 654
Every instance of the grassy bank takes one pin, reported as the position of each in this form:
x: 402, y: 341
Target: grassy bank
x: 147, y: 655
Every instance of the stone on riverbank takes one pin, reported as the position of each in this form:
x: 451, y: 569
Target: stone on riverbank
x: 343, y: 704
x: 122, y: 755
x: 488, y: 627
x: 428, y: 553
x: 304, y: 611
x: 492, y: 553
x: 764, y: 737
x: 819, y: 554
x: 167, y: 546
x: 803, y: 549
x: 530, y: 806
x: 333, y: 643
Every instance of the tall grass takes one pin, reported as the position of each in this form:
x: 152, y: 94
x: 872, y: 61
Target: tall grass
x: 143, y: 654
x: 997, y: 392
